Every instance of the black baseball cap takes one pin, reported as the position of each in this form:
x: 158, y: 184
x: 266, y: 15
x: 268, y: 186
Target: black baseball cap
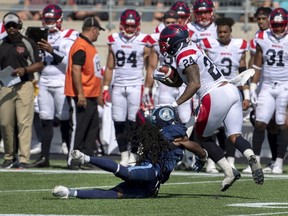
x: 170, y: 14
x: 92, y: 22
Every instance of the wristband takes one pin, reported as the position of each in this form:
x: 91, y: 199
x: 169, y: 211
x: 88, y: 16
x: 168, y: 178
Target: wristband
x: 253, y: 87
x: 105, y: 88
x: 174, y: 104
x: 256, y: 67
x: 146, y: 90
x: 246, y: 94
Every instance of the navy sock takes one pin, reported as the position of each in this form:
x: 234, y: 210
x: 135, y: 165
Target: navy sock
x: 110, y: 166
x: 214, y: 151
x: 242, y: 144
x: 97, y: 194
x: 257, y: 140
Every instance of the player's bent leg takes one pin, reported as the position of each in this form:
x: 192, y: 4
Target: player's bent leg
x: 103, y: 163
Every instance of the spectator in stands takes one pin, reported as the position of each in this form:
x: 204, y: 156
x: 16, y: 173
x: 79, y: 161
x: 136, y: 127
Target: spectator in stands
x: 29, y: 14
x: 276, y: 4
x: 82, y: 14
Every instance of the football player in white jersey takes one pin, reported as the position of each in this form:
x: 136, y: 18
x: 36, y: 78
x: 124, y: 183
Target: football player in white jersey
x: 262, y: 18
x: 183, y: 11
x: 271, y: 65
x: 203, y: 26
x: 127, y: 57
x: 51, y: 99
x: 229, y: 55
x: 220, y: 101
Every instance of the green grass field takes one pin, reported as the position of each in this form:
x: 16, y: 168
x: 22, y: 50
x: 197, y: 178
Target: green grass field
x: 28, y: 192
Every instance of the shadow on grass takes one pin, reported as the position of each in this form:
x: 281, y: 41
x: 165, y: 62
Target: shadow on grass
x: 216, y: 196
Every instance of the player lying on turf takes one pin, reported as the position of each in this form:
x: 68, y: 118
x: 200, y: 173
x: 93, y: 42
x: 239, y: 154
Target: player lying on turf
x: 160, y: 149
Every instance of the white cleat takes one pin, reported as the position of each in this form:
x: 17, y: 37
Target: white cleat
x: 36, y: 150
x: 247, y: 170
x: 61, y: 192
x: 277, y: 170
x: 229, y: 180
x: 210, y: 167
x: 78, y: 156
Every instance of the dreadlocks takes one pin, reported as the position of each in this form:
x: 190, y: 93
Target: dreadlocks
x: 149, y: 141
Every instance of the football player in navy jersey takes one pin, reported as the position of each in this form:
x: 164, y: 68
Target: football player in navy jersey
x: 161, y: 147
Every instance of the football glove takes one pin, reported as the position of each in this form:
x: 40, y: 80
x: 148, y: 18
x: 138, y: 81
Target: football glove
x: 106, y: 96
x: 199, y: 163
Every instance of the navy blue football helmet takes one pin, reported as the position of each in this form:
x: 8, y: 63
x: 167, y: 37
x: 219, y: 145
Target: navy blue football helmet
x: 164, y: 116
x: 172, y: 38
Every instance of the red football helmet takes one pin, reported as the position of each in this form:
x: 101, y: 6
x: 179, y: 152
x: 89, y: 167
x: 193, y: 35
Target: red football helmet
x: 130, y: 23
x: 278, y: 22
x: 203, y: 12
x: 52, y: 17
x: 182, y: 10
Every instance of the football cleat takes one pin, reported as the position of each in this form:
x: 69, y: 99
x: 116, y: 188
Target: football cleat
x: 61, y: 192
x: 257, y: 172
x: 229, y: 180
x: 78, y: 156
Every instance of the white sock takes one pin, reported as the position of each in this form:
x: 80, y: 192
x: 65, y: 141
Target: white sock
x: 279, y: 163
x: 86, y: 158
x: 247, y: 153
x: 225, y: 166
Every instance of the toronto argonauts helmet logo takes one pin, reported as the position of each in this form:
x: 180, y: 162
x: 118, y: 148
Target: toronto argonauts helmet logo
x: 166, y: 114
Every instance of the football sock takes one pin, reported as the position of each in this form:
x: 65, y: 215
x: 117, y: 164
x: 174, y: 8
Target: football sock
x: 110, y: 166
x: 214, y: 151
x: 257, y: 140
x: 47, y: 135
x: 272, y: 139
x: 282, y: 143
x: 97, y: 194
x: 225, y: 166
x: 121, y: 136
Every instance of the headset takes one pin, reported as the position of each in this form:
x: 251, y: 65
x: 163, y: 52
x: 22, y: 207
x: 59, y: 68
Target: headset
x: 20, y: 24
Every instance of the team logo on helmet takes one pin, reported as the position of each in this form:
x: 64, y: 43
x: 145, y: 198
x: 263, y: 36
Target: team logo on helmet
x: 164, y: 116
x: 172, y: 38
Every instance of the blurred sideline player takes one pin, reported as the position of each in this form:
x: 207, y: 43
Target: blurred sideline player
x: 183, y: 11
x: 127, y: 57
x: 203, y: 26
x: 270, y: 64
x: 262, y: 19
x: 229, y: 55
x: 51, y: 99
